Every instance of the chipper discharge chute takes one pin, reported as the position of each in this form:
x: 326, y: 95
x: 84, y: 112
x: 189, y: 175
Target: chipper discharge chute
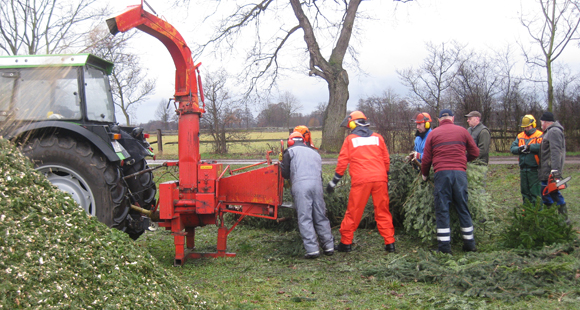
x: 202, y: 195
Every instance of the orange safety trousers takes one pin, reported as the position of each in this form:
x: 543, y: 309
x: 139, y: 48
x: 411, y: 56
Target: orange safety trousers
x: 357, y: 199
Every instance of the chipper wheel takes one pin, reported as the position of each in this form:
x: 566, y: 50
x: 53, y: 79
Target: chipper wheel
x: 77, y: 168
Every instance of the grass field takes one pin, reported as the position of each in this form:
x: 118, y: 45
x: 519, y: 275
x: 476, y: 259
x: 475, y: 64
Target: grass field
x: 237, y: 150
x: 270, y: 273
x: 253, y: 150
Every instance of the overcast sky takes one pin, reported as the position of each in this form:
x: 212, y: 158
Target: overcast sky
x: 395, y: 41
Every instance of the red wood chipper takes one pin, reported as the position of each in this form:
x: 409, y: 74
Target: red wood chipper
x: 202, y: 195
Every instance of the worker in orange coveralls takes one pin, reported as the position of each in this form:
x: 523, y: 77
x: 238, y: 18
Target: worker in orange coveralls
x: 367, y: 154
x: 306, y: 134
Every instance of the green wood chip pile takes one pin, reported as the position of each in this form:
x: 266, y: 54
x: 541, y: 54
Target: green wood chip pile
x: 54, y: 256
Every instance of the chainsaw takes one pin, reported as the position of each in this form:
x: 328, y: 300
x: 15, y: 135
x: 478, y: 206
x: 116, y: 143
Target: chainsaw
x: 555, y: 185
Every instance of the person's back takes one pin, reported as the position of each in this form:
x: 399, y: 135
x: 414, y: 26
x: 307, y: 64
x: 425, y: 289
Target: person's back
x: 303, y: 166
x: 367, y: 155
x: 445, y: 151
x: 448, y: 145
x: 305, y: 163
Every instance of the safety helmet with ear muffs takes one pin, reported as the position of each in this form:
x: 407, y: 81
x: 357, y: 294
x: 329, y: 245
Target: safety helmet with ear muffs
x: 294, y: 135
x: 350, y: 121
x: 304, y: 131
x: 528, y: 120
x: 424, y: 118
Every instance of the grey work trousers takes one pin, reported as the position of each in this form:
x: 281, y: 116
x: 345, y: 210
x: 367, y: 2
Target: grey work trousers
x: 312, y: 219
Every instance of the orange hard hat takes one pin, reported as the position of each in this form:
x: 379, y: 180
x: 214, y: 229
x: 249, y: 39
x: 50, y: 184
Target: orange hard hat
x: 306, y: 134
x: 357, y: 115
x: 302, y: 129
x: 423, y: 118
x: 349, y: 121
x: 295, y: 134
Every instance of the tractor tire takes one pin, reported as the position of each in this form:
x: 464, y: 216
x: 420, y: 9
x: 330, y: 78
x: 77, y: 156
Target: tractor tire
x: 142, y: 192
x: 76, y: 167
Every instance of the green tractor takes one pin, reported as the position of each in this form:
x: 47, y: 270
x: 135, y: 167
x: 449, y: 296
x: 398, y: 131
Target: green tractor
x: 59, y: 111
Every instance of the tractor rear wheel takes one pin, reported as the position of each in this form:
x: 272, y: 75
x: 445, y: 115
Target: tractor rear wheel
x: 76, y: 167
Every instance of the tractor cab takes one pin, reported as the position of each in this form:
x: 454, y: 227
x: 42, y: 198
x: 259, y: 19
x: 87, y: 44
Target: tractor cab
x: 55, y: 87
x: 58, y: 109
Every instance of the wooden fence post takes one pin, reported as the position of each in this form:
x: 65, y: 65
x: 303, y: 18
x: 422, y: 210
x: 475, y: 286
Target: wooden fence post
x: 159, y: 141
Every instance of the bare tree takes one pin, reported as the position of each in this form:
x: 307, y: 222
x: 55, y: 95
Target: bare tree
x: 129, y: 83
x: 476, y: 85
x: 391, y: 116
x: 222, y: 111
x: 165, y: 113
x: 551, y: 29
x: 290, y: 105
x: 435, y: 76
x: 567, y: 104
x: 510, y: 107
x: 332, y: 20
x: 272, y: 115
x: 46, y: 26
x: 316, y: 117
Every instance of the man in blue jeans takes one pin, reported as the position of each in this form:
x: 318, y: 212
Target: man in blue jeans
x: 445, y: 149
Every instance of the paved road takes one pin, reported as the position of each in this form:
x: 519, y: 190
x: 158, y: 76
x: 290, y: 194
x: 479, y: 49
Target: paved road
x: 503, y: 160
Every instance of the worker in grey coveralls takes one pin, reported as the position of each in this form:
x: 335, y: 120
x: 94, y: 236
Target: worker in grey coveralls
x: 303, y: 166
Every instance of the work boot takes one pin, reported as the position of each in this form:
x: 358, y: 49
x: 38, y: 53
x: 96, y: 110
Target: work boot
x: 444, y: 247
x: 469, y: 247
x: 390, y: 247
x: 312, y: 255
x: 341, y: 247
x: 329, y: 252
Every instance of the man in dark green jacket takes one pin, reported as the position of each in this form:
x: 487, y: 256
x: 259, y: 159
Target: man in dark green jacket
x: 527, y: 145
x: 480, y: 134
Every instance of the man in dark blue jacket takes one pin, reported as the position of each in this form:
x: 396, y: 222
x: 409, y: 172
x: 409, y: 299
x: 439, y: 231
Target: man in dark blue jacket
x: 445, y: 150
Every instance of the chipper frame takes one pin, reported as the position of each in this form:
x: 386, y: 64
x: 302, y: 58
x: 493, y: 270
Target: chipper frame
x: 202, y: 195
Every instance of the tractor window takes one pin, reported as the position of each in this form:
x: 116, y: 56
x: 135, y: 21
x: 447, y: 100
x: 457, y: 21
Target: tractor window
x: 99, y: 100
x: 47, y: 93
x: 7, y: 79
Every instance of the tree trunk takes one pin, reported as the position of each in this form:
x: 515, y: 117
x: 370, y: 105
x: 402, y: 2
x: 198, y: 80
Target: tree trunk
x: 332, y: 133
x: 550, y: 85
x: 331, y: 71
x: 127, y: 117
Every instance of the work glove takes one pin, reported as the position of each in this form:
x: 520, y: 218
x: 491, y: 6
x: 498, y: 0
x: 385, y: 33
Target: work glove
x: 424, y: 178
x: 524, y: 149
x: 332, y: 184
x: 413, y: 155
x: 280, y: 156
x: 556, y: 175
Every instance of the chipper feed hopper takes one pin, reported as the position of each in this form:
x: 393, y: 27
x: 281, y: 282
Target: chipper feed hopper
x: 203, y: 194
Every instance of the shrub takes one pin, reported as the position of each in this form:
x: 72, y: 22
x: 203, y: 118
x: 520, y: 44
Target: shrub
x: 534, y: 226
x: 419, y: 208
x: 400, y: 180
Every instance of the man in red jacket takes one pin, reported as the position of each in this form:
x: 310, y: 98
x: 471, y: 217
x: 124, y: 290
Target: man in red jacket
x: 445, y: 149
x: 368, y: 157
